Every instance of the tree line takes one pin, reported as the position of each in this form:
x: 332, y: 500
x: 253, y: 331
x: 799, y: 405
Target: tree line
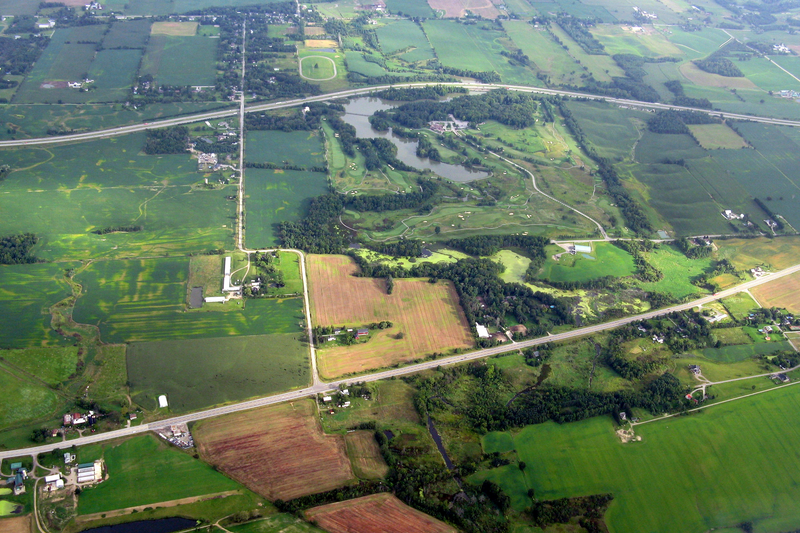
x: 173, y: 140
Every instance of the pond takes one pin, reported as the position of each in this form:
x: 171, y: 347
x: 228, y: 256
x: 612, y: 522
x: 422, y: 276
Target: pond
x: 357, y: 113
x: 164, y: 525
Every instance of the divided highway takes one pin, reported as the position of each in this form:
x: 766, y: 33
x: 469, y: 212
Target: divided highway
x: 320, y: 386
x: 233, y: 111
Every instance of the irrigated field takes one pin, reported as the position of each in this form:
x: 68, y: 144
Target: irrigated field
x: 427, y: 318
x: 278, y: 451
x: 783, y: 292
x: 197, y: 373
x: 143, y: 470
x: 687, y: 474
x: 382, y: 513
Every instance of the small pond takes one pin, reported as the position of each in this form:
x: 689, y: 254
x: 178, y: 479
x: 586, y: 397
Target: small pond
x: 357, y: 113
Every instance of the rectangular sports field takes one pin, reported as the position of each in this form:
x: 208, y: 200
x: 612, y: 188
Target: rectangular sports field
x: 274, y: 196
x: 197, y: 373
x: 143, y: 470
x: 429, y: 317
x: 180, y: 60
x: 378, y: 512
x: 690, y: 474
x: 783, y: 292
x: 278, y: 452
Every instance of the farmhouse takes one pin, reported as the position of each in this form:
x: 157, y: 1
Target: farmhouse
x: 730, y: 215
x: 694, y: 369
x: 362, y: 332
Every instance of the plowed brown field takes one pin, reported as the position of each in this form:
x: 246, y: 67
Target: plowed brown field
x: 379, y: 513
x: 428, y: 316
x: 277, y: 451
x: 19, y: 524
x: 783, y: 292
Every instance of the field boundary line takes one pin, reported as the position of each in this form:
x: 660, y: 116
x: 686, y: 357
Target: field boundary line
x: 168, y: 503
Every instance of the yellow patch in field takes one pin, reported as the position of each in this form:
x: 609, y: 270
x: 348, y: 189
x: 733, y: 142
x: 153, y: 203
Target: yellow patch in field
x: 706, y: 79
x: 321, y: 43
x: 180, y: 29
x: 314, y: 30
x: 713, y: 136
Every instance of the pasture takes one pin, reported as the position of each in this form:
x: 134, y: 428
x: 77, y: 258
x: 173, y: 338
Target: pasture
x: 739, y: 305
x: 543, y: 51
x: 176, y: 60
x: 133, y: 481
x: 604, y: 260
x: 356, y: 63
x: 427, y: 318
x: 128, y: 34
x: 741, y: 352
x: 411, y: 8
x: 277, y: 451
x: 365, y: 455
x: 717, y: 136
x: 406, y: 37
x: 649, y: 42
x: 21, y: 398
x: 613, y: 132
x: 275, y: 196
x: 783, y: 292
x: 197, y: 373
x: 144, y: 300
x: 303, y: 148
x: 678, y: 270
x: 52, y: 365
x: 664, y: 482
x: 378, y: 512
x: 279, y: 523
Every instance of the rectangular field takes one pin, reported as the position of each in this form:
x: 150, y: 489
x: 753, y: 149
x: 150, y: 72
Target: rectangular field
x: 181, y: 29
x: 176, y: 60
x: 198, y: 373
x: 663, y: 483
x: 303, y: 148
x: 365, y: 455
x: 144, y: 300
x: 143, y: 470
x: 376, y: 513
x: 783, y: 292
x: 402, y: 35
x: 427, y: 318
x: 128, y: 34
x: 275, y: 196
x: 715, y: 136
x: 277, y: 451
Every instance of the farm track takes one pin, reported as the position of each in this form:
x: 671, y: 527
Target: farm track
x: 319, y: 387
x: 188, y: 119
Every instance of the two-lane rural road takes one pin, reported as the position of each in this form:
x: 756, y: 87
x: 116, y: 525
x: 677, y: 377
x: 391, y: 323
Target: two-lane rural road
x: 326, y: 386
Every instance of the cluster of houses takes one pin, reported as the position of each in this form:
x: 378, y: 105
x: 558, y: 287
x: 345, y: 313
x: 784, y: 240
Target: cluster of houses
x: 206, y: 161
x: 17, y: 480
x: 177, y: 435
x: 441, y: 126
x: 730, y: 215
x: 641, y: 13
x: 788, y: 93
x: 359, y: 333
x: 781, y: 48
x: 79, y: 84
x: 342, y: 402
x: 78, y: 419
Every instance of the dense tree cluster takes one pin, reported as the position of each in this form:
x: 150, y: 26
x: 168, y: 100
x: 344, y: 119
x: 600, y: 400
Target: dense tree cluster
x: 716, y: 64
x: 18, y: 55
x: 588, y: 509
x: 118, y: 229
x: 676, y: 88
x: 412, y: 94
x: 402, y: 248
x: 174, y: 140
x: 670, y: 121
x: 578, y: 30
x: 316, y: 232
x: 17, y: 249
x: 263, y: 81
x: 644, y: 270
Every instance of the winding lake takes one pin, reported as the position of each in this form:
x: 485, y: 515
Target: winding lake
x: 357, y: 113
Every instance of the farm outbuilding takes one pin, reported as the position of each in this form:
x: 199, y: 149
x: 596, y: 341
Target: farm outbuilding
x: 483, y: 333
x: 162, y: 401
x: 583, y: 249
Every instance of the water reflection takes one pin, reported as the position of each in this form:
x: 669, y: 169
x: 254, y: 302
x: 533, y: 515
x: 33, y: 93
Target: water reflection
x: 357, y: 113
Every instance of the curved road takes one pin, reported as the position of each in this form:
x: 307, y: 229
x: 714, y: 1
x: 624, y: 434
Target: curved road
x: 321, y: 386
x: 212, y: 115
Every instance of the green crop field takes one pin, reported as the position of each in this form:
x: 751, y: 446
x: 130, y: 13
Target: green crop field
x: 621, y: 40
x: 275, y: 196
x: 601, y: 67
x: 680, y: 477
x: 612, y: 131
x: 401, y: 35
x: 144, y: 300
x: 302, y: 148
x: 52, y: 365
x: 21, y: 399
x: 128, y: 34
x: 740, y: 352
x: 176, y: 60
x: 475, y: 47
x: 717, y: 136
x: 113, y: 72
x: 144, y: 471
x: 543, y: 51
x: 577, y: 9
x: 678, y: 270
x: 411, y: 8
x: 26, y: 293
x: 199, y: 373
x: 604, y: 260
x: 697, y: 44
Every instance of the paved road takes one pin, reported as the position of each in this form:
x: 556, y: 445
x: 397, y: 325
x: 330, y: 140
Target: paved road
x: 213, y: 115
x: 323, y: 386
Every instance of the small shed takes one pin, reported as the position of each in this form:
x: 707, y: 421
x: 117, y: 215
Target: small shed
x: 162, y: 401
x: 362, y: 332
